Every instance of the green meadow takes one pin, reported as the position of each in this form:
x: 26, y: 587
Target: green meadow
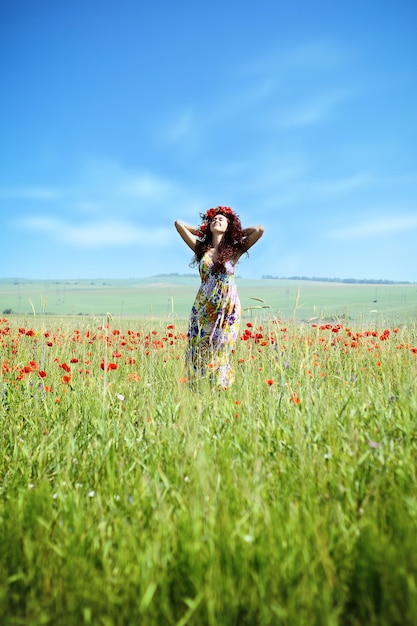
x: 126, y: 498
x: 164, y: 296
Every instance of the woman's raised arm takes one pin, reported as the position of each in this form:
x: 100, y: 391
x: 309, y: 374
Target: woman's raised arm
x: 188, y: 233
x: 252, y: 235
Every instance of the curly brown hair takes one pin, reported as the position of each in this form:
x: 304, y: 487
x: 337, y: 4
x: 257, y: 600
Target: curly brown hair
x: 233, y: 240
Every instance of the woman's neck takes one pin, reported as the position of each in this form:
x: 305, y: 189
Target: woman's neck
x: 217, y: 237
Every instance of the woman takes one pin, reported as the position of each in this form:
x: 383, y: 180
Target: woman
x: 218, y: 243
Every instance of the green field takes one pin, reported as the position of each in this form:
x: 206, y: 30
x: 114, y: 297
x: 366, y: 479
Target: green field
x: 172, y: 296
x: 127, y: 499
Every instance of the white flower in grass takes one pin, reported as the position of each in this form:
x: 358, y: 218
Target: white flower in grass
x: 120, y: 397
x: 31, y: 486
x: 91, y: 494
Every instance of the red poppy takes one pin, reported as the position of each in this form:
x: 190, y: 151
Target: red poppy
x: 295, y: 399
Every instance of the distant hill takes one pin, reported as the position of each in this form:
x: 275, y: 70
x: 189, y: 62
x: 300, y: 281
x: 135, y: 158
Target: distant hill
x: 350, y: 281
x: 175, y: 278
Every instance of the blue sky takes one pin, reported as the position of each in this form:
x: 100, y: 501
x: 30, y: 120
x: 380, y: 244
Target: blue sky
x: 117, y: 117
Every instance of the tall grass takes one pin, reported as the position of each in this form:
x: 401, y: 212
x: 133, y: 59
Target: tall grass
x: 126, y: 498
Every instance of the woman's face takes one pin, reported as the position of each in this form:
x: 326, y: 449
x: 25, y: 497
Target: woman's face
x: 219, y: 224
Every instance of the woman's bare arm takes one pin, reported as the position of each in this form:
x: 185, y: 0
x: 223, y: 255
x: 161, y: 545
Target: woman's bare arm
x: 188, y: 233
x: 252, y: 235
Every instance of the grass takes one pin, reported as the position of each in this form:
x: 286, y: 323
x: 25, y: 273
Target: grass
x: 125, y: 498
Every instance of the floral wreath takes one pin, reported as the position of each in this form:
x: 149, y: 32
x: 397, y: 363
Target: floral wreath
x: 208, y: 216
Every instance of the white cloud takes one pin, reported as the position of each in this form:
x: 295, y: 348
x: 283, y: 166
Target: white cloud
x: 385, y: 225
x: 181, y: 128
x: 314, y: 56
x: 147, y: 186
x: 100, y: 233
x: 340, y: 186
x: 313, y: 110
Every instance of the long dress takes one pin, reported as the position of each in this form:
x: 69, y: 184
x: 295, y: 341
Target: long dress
x: 213, y: 325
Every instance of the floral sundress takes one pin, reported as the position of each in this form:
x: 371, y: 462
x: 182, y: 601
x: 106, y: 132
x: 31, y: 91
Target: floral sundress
x: 213, y: 325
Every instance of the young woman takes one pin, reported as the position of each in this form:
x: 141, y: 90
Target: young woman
x: 218, y: 243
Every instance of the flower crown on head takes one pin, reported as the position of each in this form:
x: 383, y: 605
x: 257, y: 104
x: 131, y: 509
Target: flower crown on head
x: 208, y: 216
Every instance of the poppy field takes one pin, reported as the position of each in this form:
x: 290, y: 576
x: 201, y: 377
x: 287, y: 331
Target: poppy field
x: 128, y: 498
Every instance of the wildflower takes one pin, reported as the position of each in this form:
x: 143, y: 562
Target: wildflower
x: 269, y: 381
x: 108, y: 366
x: 295, y: 399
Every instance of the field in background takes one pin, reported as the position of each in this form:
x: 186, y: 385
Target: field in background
x: 172, y: 296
